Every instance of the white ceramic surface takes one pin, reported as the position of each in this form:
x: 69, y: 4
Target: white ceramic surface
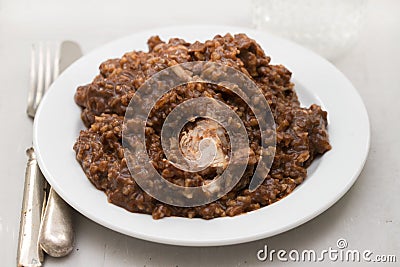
x: 57, y: 125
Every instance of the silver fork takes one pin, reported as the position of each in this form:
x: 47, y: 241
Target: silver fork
x: 36, y: 232
x: 45, y: 62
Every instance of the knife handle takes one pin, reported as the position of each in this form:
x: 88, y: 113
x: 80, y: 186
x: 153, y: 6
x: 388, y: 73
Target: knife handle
x: 56, y: 236
x: 29, y: 252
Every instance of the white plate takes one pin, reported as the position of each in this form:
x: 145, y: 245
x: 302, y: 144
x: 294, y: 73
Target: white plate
x: 57, y: 125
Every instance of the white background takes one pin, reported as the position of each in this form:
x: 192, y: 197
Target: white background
x: 367, y: 216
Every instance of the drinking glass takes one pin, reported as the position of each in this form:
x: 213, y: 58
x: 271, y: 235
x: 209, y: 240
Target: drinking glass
x: 329, y: 27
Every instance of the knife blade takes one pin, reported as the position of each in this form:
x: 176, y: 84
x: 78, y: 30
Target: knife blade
x: 69, y: 52
x: 56, y: 234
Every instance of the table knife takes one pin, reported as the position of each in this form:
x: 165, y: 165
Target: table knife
x: 56, y: 235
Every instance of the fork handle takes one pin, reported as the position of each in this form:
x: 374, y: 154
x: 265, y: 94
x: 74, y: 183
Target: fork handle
x: 29, y: 252
x: 56, y: 236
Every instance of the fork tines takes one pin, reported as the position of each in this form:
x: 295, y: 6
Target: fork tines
x: 45, y: 57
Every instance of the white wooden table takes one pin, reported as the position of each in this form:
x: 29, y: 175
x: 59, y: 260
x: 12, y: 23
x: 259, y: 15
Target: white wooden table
x: 368, y: 216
